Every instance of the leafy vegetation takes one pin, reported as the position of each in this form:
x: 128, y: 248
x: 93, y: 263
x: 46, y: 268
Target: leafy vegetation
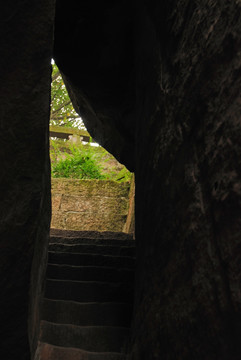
x: 79, y: 164
x: 77, y: 161
x: 62, y: 111
x: 85, y: 162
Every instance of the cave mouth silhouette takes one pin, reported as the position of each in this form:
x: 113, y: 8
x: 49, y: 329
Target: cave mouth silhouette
x: 158, y: 85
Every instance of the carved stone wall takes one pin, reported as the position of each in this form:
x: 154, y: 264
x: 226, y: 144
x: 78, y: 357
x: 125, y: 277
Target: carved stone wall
x: 99, y: 205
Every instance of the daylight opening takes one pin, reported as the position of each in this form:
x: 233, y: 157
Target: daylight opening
x: 91, y: 190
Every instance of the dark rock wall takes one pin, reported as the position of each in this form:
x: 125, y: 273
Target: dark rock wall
x: 26, y: 44
x: 188, y: 185
x: 158, y: 84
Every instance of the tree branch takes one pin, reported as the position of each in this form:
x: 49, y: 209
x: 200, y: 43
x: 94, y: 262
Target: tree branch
x: 55, y: 93
x: 56, y: 75
x: 61, y: 107
x: 64, y: 117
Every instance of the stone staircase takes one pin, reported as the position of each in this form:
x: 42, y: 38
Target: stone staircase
x: 87, y: 309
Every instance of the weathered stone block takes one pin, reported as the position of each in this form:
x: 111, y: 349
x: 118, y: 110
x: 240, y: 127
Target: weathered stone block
x: 100, y: 222
x: 56, y: 201
x: 58, y: 220
x: 89, y: 204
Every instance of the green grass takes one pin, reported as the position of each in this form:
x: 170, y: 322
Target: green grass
x: 80, y: 163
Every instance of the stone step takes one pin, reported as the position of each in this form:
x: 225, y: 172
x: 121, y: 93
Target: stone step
x: 51, y: 352
x: 91, y: 241
x: 86, y: 314
x: 90, y: 259
x: 89, y: 291
x: 94, y: 249
x: 89, y: 273
x: 89, y: 338
x: 90, y: 234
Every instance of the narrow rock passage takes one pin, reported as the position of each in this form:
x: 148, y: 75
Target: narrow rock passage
x: 87, y: 309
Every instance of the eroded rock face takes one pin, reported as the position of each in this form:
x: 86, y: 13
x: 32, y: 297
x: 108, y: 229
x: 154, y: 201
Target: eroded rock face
x: 94, y: 50
x: 25, y: 72
x: 179, y: 65
x: 188, y: 303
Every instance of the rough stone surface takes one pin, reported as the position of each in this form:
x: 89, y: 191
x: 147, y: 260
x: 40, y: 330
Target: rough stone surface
x: 26, y: 45
x: 58, y: 235
x: 89, y: 204
x: 87, y: 319
x: 179, y: 65
x: 129, y: 226
x: 50, y: 352
x: 188, y: 198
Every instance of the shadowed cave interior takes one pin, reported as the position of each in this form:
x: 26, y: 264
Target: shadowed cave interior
x: 158, y: 85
